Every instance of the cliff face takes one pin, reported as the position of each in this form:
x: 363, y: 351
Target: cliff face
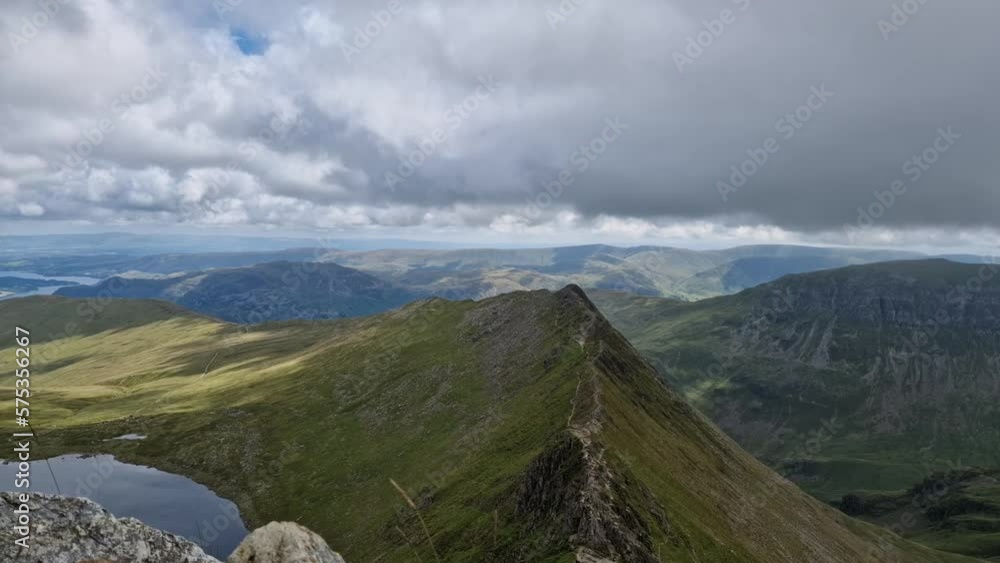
x: 920, y: 338
x: 894, y: 294
x: 71, y: 530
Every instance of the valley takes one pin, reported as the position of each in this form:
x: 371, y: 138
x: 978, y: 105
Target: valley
x: 445, y: 281
x: 855, y: 384
x: 522, y: 427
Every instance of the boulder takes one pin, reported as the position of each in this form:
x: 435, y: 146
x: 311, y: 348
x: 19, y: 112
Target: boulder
x: 284, y: 542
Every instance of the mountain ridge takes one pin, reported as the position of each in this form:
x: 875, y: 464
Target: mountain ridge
x: 539, y: 432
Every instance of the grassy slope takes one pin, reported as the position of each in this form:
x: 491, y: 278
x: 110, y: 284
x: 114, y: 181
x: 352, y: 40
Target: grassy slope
x: 469, y: 407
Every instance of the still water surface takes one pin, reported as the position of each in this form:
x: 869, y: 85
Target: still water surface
x: 169, y: 502
x: 49, y: 290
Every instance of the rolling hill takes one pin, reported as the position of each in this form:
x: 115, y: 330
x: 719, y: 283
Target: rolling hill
x: 481, y: 273
x: 518, y: 428
x: 643, y: 270
x: 266, y: 292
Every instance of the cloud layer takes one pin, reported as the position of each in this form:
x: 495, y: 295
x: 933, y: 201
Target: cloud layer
x: 637, y: 118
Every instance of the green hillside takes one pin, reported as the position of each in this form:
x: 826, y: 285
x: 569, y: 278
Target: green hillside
x: 862, y: 378
x: 520, y: 428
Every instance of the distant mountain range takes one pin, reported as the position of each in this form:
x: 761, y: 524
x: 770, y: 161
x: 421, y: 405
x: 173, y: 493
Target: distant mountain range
x: 645, y: 270
x: 480, y: 273
x: 266, y: 292
x: 518, y: 428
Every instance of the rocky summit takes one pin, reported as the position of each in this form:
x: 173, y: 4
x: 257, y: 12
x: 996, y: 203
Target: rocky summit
x: 72, y: 530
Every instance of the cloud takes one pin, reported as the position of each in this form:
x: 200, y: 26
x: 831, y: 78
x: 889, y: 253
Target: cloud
x: 269, y: 115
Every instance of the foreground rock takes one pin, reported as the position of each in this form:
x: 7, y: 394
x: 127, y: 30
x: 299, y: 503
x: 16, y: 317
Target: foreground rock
x: 70, y: 530
x: 281, y: 542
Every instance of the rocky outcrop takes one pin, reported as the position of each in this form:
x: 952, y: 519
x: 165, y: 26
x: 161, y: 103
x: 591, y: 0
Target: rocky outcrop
x: 572, y: 489
x: 571, y: 493
x: 584, y: 555
x: 284, y: 542
x: 70, y: 530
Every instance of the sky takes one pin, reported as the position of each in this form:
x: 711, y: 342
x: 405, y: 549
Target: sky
x: 859, y: 122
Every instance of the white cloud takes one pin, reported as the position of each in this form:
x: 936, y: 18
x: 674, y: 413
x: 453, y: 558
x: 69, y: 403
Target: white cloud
x: 30, y: 209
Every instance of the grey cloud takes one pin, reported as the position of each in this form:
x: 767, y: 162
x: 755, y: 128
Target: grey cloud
x: 607, y: 60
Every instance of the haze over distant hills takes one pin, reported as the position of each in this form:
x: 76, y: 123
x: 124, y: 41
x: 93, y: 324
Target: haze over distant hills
x: 479, y: 273
x: 132, y: 244
x: 519, y: 428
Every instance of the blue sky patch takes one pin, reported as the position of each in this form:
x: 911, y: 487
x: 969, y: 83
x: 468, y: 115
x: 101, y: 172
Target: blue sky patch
x: 249, y: 43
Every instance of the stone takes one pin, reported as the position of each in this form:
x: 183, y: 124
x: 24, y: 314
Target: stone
x: 284, y: 542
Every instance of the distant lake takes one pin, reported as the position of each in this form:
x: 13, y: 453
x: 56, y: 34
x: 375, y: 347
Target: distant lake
x: 48, y: 290
x: 165, y: 501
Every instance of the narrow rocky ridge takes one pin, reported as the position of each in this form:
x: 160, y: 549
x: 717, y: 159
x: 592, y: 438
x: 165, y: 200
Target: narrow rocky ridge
x: 572, y: 482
